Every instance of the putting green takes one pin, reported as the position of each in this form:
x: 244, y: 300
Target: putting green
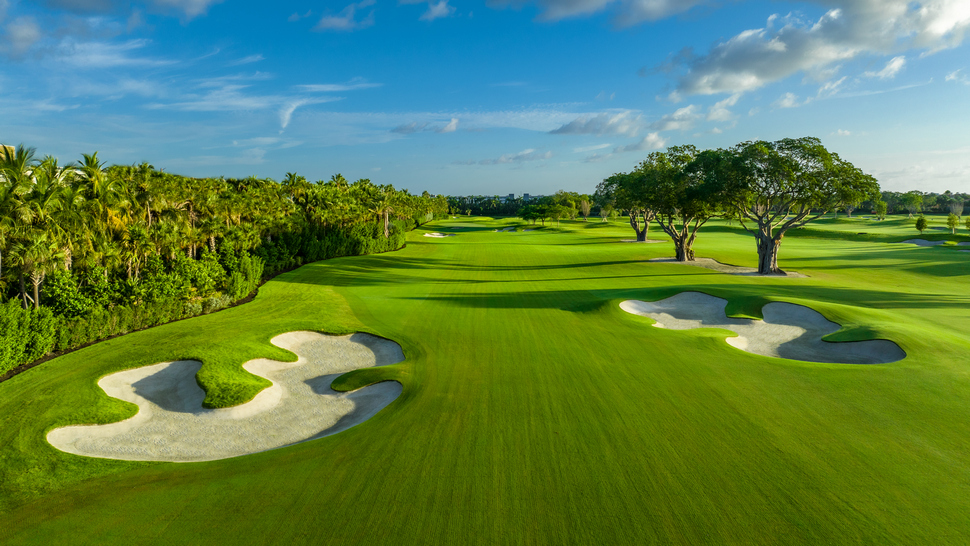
x: 535, y: 411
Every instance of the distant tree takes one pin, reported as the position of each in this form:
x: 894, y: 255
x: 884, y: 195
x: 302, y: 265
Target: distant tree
x: 952, y: 221
x: 605, y: 211
x: 956, y: 207
x: 849, y: 207
x: 629, y: 192
x: 584, y: 209
x: 912, y: 201
x: 557, y: 212
x: 968, y: 223
x: 880, y: 209
x: 921, y: 224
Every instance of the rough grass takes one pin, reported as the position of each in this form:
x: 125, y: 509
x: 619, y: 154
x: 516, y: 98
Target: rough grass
x: 534, y: 411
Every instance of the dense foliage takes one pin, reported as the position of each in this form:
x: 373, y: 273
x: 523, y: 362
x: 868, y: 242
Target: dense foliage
x: 88, y: 251
x: 769, y: 187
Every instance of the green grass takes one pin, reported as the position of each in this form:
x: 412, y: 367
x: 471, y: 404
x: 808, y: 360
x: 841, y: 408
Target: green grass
x: 535, y: 411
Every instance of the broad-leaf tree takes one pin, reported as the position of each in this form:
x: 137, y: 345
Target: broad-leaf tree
x: 777, y: 186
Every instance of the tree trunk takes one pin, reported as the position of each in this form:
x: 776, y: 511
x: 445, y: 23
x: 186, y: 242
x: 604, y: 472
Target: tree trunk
x: 212, y: 243
x: 36, y: 279
x: 683, y: 244
x: 23, y: 290
x: 635, y: 224
x: 768, y: 255
x: 387, y: 219
x: 68, y: 258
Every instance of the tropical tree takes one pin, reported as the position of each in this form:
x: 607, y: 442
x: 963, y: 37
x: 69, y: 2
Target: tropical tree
x: 686, y: 192
x: 629, y: 192
x: 777, y: 186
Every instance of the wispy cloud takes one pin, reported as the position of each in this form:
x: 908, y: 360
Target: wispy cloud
x: 521, y: 157
x: 788, y: 100
x: 247, y: 60
x: 624, y: 123
x: 451, y: 127
x: 347, y: 20
x: 585, y: 149
x: 352, y: 85
x: 958, y: 76
x: 624, y: 13
x: 890, y: 70
x: 107, y: 55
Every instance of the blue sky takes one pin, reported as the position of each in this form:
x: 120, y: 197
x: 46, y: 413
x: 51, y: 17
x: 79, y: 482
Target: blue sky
x: 496, y: 97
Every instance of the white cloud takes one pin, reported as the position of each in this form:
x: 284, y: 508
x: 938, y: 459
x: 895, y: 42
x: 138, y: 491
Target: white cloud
x: 191, y: 8
x: 247, y: 60
x: 652, y: 141
x: 719, y: 111
x: 625, y: 123
x: 787, y: 45
x: 788, y: 100
x: 437, y: 11
x: 352, y: 85
x: 891, y: 69
x: 347, y: 21
x: 590, y: 148
x: 830, y: 88
x: 296, y: 16
x: 843, y: 132
x: 681, y: 119
x: 450, y: 128
x: 625, y: 12
x: 525, y: 155
x: 106, y: 55
x: 958, y: 76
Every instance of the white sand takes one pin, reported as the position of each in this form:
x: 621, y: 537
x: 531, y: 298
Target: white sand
x: 923, y: 242
x: 714, y: 265
x: 172, y: 425
x: 439, y: 235
x: 963, y: 243
x: 788, y: 330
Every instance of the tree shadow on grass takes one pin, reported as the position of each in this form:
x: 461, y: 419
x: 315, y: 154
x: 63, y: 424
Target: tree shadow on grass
x: 582, y: 300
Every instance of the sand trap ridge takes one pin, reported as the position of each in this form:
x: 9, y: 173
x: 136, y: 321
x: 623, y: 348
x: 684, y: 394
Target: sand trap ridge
x: 172, y: 425
x: 787, y: 331
x: 923, y: 242
x: 439, y: 235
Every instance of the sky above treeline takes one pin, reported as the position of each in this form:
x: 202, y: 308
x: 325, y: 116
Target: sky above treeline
x: 504, y: 96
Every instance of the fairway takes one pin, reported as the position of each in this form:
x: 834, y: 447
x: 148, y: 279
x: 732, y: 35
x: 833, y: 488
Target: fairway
x: 535, y: 410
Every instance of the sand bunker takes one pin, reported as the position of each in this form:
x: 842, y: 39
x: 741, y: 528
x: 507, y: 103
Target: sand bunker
x: 923, y: 242
x: 439, y: 235
x: 714, y: 265
x: 172, y: 425
x: 788, y: 330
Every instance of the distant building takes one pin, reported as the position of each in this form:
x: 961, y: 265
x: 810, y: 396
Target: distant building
x: 525, y: 197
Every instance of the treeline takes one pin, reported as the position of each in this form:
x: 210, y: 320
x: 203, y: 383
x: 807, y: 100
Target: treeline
x: 769, y: 187
x: 916, y: 201
x: 88, y: 251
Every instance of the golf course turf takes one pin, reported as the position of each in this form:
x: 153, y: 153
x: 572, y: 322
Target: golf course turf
x: 535, y: 411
